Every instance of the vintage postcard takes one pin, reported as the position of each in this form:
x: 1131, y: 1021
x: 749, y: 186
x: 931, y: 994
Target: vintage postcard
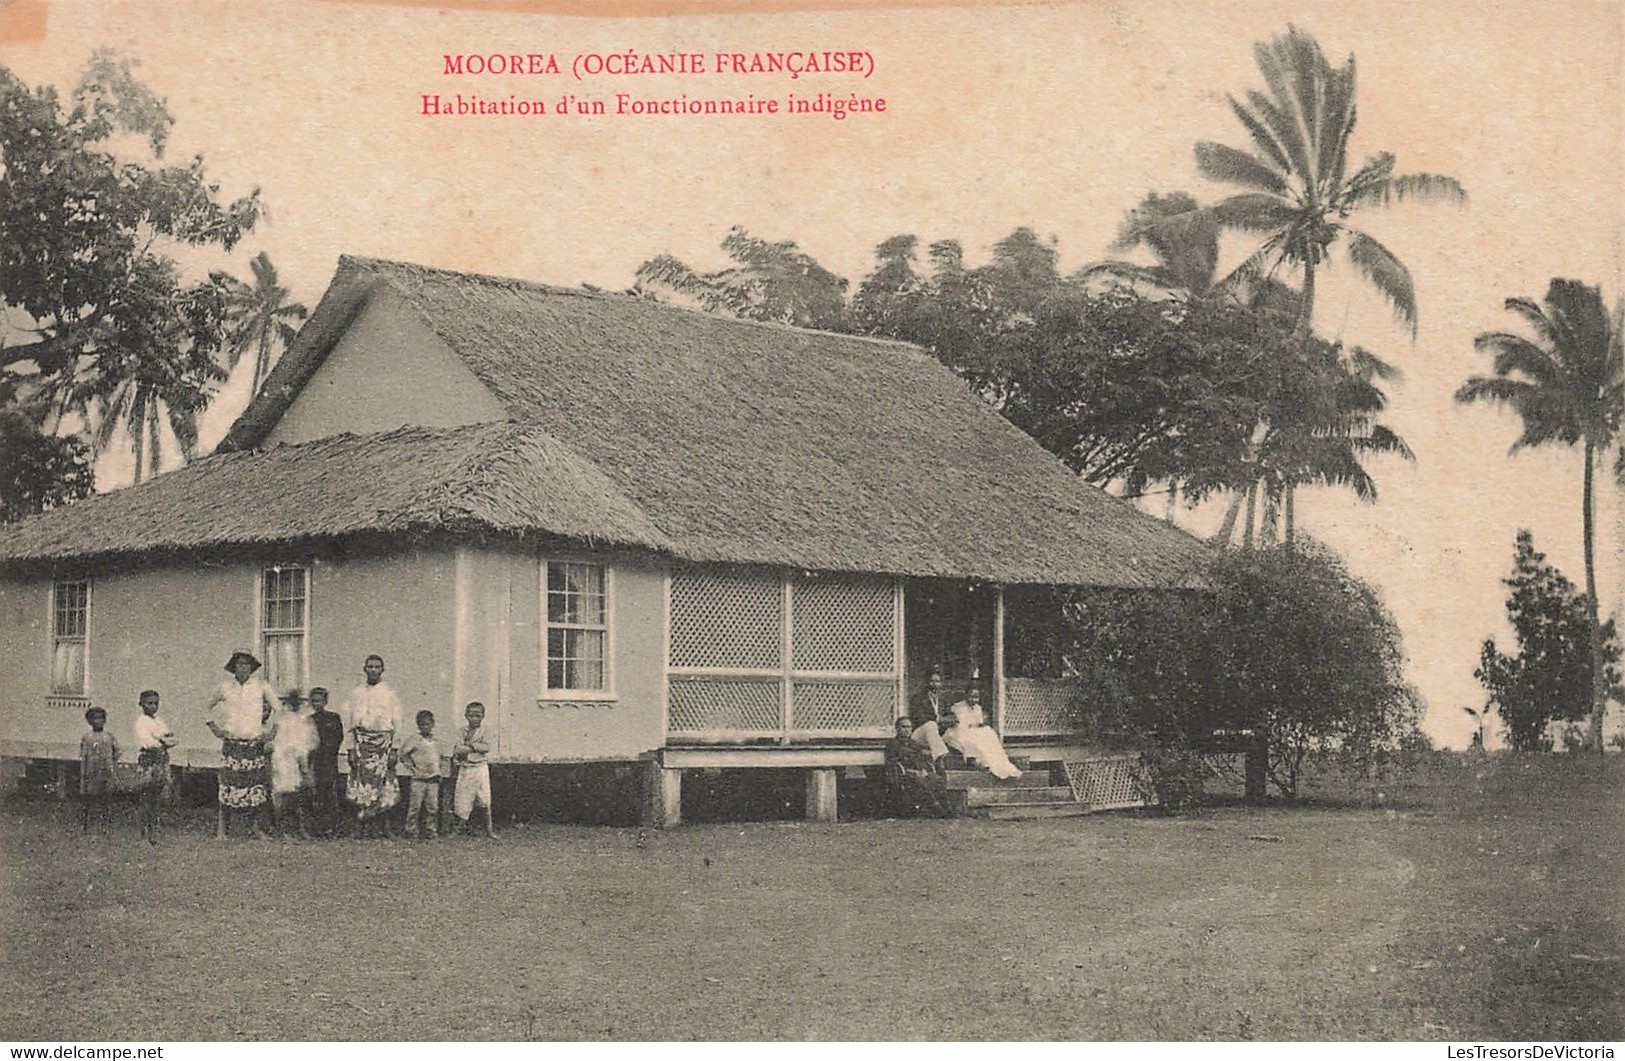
x: 947, y: 521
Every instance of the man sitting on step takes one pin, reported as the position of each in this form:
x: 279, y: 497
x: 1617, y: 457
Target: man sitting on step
x: 967, y: 732
x: 911, y: 776
x: 925, y: 713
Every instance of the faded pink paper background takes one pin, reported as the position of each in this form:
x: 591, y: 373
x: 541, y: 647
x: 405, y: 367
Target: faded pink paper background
x: 1058, y: 117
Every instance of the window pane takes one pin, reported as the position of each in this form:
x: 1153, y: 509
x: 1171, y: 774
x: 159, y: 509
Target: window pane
x: 70, y: 600
x: 284, y: 661
x: 68, y: 668
x: 555, y: 674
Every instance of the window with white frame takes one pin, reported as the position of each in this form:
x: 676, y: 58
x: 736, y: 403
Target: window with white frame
x: 70, y: 636
x: 285, y: 625
x: 575, y: 642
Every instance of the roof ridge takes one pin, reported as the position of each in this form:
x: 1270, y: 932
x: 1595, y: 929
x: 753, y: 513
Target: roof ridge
x: 519, y: 284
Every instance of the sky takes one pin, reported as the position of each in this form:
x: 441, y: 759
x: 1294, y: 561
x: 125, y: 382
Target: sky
x: 1059, y: 117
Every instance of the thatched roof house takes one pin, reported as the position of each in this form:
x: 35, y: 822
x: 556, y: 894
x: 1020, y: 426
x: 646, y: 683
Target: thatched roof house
x: 638, y: 423
x: 440, y: 425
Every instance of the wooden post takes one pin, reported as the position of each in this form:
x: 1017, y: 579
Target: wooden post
x: 998, y: 661
x: 787, y: 654
x: 1256, y: 774
x: 821, y: 794
x: 61, y: 779
x: 662, y: 796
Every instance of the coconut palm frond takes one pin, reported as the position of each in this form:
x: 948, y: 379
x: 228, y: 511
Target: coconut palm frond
x: 1516, y: 355
x: 1220, y: 162
x: 1366, y: 365
x: 1386, y: 273
x: 1284, y: 128
x: 1421, y: 187
x: 1262, y: 136
x: 1546, y: 417
x: 1336, y: 124
x: 1382, y: 439
x: 1253, y: 212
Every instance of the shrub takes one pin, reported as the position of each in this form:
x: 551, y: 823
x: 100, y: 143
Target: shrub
x: 1287, y: 642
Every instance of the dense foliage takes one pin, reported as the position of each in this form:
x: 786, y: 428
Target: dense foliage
x: 1286, y: 642
x: 38, y: 471
x: 115, y: 332
x: 1548, y: 679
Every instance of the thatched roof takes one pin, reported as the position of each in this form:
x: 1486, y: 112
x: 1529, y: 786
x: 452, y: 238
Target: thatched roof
x: 705, y: 437
x: 504, y: 477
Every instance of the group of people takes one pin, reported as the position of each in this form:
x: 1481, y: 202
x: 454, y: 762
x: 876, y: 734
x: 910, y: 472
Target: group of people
x: 280, y: 763
x: 916, y: 757
x: 99, y: 751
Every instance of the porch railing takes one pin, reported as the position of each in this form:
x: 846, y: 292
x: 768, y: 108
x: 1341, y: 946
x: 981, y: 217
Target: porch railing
x: 1044, y: 707
x: 762, y: 656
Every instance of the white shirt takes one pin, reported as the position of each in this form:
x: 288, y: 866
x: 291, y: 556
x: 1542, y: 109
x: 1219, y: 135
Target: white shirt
x: 295, y: 734
x: 239, y: 707
x: 374, y: 707
x: 151, y: 731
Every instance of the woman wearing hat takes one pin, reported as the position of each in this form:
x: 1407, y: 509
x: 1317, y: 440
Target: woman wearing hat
x: 237, y: 715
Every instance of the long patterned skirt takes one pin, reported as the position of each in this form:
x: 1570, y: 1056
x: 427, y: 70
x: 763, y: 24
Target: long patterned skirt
x: 243, y: 773
x: 372, y: 786
x: 151, y: 768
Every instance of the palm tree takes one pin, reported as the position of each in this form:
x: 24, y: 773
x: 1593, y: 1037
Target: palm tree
x: 1567, y: 384
x: 260, y: 316
x: 1298, y: 189
x: 1299, y: 192
x: 150, y: 394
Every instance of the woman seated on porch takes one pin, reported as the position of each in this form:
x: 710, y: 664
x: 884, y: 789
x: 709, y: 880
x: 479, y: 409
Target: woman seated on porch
x: 968, y: 733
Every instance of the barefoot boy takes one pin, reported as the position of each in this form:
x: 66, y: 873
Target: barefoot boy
x: 473, y: 772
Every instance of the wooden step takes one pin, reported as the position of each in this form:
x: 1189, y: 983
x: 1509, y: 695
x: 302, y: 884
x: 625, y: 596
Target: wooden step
x: 983, y: 779
x: 1014, y: 811
x: 983, y: 797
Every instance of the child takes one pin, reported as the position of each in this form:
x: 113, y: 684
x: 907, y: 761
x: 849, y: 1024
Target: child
x: 421, y: 757
x: 153, y: 740
x: 293, y: 739
x: 473, y: 772
x: 325, y: 762
x: 98, y: 751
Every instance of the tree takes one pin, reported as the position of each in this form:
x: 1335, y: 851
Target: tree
x: 1286, y: 643
x: 82, y: 231
x: 1309, y: 655
x: 1567, y: 385
x: 1183, y: 242
x: 261, y: 317
x: 1133, y: 389
x: 775, y: 282
x: 1298, y: 188
x: 38, y: 472
x: 1551, y: 677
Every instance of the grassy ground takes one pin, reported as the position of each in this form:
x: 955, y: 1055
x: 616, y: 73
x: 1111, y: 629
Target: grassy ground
x: 1476, y: 901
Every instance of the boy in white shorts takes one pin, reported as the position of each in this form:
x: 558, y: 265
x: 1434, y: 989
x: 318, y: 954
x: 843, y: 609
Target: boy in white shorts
x: 473, y: 772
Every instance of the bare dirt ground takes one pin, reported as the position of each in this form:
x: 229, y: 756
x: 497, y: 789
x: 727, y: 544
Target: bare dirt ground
x: 1475, y: 901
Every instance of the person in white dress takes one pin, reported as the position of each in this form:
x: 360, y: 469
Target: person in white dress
x: 968, y: 733
x: 291, y: 746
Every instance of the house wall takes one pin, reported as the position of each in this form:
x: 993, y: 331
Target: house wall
x: 499, y: 608
x: 388, y: 370
x: 453, y: 625
x: 171, y: 628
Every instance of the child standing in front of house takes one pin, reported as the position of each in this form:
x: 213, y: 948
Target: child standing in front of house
x: 473, y: 771
x: 421, y: 757
x: 153, y: 740
x: 292, y: 740
x: 98, y: 751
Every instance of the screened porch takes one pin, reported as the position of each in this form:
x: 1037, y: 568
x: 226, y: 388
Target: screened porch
x: 766, y: 658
